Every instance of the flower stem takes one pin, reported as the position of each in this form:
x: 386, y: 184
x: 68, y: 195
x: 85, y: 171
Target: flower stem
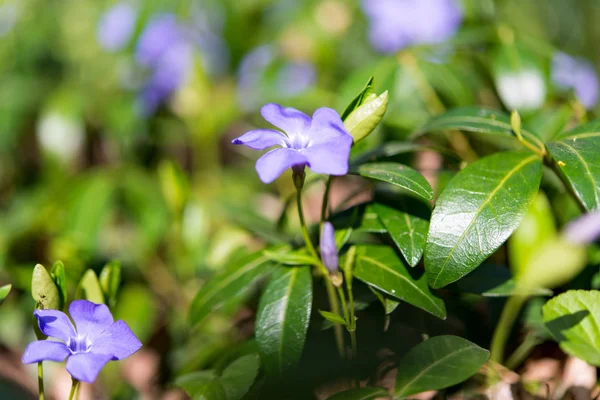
x: 74, y: 387
x: 325, y: 203
x: 333, y: 300
x: 41, y: 380
x: 507, y: 320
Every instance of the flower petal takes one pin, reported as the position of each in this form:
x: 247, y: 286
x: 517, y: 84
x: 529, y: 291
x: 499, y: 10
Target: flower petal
x: 272, y: 164
x: 288, y: 119
x: 260, y: 139
x: 326, y: 126
x: 118, y: 341
x: 330, y: 158
x: 329, y: 252
x: 55, y: 323
x: 45, y: 350
x: 86, y: 366
x: 90, y: 319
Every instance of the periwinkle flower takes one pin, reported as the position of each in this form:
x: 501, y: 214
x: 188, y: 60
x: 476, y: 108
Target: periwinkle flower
x: 116, y: 27
x: 96, y: 340
x: 295, y: 78
x: 584, y: 230
x: 329, y: 251
x: 396, y: 24
x: 576, y: 74
x: 322, y: 142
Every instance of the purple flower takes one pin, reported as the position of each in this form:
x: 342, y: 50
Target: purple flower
x: 116, y: 27
x: 96, y: 341
x: 322, y: 143
x: 295, y: 78
x: 329, y: 252
x: 396, y: 24
x: 576, y: 74
x: 584, y: 230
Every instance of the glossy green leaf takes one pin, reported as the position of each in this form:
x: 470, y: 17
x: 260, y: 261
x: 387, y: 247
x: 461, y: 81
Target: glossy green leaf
x: 381, y: 267
x: 239, y: 376
x: 44, y: 290
x: 332, y: 317
x: 362, y: 218
x: 577, y: 157
x: 283, y: 318
x: 4, y: 291
x: 408, y: 232
x: 237, y: 277
x: 366, y: 393
x: 359, y: 99
x: 288, y: 256
x: 89, y: 288
x: 399, y: 175
x: 437, y: 363
x: 60, y: 280
x: 574, y: 320
x: 477, y: 211
x: 477, y: 120
x: 364, y: 119
x: 110, y: 279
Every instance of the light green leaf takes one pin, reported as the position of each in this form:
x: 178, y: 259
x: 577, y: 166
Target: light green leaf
x: 380, y: 266
x: 239, y: 376
x: 366, y: 393
x: 408, y: 232
x: 4, y: 291
x: 362, y: 218
x: 331, y: 317
x: 237, y: 277
x: 399, y: 175
x: 574, y: 320
x: 89, y: 288
x: 577, y: 157
x: 110, y: 279
x: 60, y: 280
x: 287, y: 256
x: 437, y: 363
x: 194, y: 382
x: 477, y: 211
x: 44, y: 290
x: 283, y: 318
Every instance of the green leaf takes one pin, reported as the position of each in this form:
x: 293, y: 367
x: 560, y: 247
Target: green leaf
x: 287, y: 256
x: 239, y: 376
x: 238, y: 277
x: 283, y: 318
x: 331, y: 317
x: 359, y: 99
x: 477, y: 211
x: 477, y: 120
x: 578, y: 158
x: 408, y: 232
x: 60, y: 280
x: 388, y: 150
x: 389, y: 304
x: 174, y: 185
x: 195, y: 382
x: 574, y: 320
x: 362, y: 218
x: 44, y: 290
x: 89, y: 288
x: 364, y: 119
x: 380, y: 266
x: 110, y: 279
x: 366, y: 393
x: 4, y: 291
x: 437, y: 363
x: 399, y: 175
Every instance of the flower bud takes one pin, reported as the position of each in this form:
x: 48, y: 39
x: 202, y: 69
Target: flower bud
x: 329, y: 252
x: 364, y: 119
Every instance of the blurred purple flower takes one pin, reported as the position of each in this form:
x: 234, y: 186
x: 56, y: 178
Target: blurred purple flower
x: 321, y: 143
x: 396, y: 24
x: 116, y: 27
x: 577, y: 74
x: 165, y: 48
x: 295, y: 78
x: 584, y: 230
x: 329, y: 252
x: 97, y: 340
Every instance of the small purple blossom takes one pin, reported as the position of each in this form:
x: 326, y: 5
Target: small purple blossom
x: 321, y: 143
x: 577, y: 74
x: 116, y: 27
x: 295, y: 78
x: 96, y: 341
x: 396, y: 24
x: 584, y: 230
x: 329, y: 251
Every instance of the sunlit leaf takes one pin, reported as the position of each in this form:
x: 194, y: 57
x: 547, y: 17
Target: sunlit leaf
x: 399, y: 175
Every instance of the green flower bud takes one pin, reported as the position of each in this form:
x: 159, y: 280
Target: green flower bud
x: 44, y: 290
x: 364, y: 119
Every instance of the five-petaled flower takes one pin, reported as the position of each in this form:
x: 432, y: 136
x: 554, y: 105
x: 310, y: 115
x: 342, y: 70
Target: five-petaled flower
x: 321, y: 143
x: 96, y: 341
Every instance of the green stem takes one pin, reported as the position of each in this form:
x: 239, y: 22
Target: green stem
x: 507, y: 320
x: 333, y: 300
x: 74, y: 386
x: 40, y: 381
x: 344, y: 308
x: 325, y: 203
x: 521, y: 353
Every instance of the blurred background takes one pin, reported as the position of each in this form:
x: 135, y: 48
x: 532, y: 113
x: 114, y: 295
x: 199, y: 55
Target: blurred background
x: 116, y: 120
